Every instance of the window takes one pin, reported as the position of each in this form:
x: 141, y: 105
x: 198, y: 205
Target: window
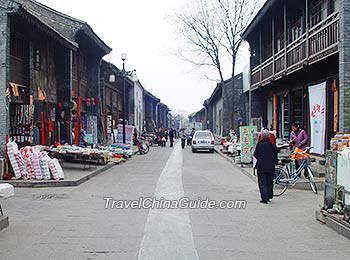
x: 203, y: 135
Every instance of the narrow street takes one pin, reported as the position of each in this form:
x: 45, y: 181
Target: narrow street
x: 72, y: 222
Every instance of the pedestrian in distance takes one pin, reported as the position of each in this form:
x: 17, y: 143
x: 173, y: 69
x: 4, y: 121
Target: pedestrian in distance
x: 171, y: 137
x: 166, y: 135
x: 266, y: 155
x: 183, y: 138
x: 192, y: 134
x: 189, y: 139
x: 161, y: 137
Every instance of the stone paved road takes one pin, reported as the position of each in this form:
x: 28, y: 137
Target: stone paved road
x: 71, y: 223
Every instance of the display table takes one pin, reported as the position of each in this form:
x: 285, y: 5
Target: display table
x: 87, y: 158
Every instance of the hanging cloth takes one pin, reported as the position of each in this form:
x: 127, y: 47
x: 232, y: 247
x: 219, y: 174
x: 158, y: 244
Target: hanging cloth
x: 14, y: 87
x: 41, y: 94
x: 336, y: 105
x: 42, y: 128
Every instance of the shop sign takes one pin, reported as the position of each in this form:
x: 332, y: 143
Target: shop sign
x: 129, y: 131
x: 249, y: 139
x: 317, y: 101
x: 91, y: 128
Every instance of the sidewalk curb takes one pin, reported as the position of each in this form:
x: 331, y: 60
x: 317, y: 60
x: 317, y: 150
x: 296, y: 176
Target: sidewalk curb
x: 332, y: 222
x: 4, y: 222
x: 300, y: 185
x: 53, y: 183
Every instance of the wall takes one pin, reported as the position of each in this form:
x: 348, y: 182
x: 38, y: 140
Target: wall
x: 138, y: 107
x: 4, y: 73
x: 233, y: 104
x: 218, y: 125
x: 344, y: 66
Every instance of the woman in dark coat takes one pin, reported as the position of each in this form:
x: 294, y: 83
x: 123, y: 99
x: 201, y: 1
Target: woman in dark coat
x: 266, y: 155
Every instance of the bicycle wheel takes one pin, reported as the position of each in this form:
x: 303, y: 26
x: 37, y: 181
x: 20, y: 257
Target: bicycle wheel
x: 311, y: 180
x: 279, y: 187
x: 145, y: 148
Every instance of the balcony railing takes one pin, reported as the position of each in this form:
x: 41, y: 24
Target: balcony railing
x: 317, y: 43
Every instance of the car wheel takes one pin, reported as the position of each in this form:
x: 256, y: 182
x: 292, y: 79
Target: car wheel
x: 194, y: 150
x: 212, y: 151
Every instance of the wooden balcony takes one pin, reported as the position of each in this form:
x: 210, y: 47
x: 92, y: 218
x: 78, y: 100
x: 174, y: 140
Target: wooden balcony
x: 315, y: 44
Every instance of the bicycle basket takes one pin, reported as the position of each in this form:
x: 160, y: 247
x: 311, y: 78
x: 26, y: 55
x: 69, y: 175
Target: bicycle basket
x: 298, y: 156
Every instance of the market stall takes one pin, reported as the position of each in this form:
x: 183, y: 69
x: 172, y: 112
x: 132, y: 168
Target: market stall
x: 337, y: 183
x: 46, y: 162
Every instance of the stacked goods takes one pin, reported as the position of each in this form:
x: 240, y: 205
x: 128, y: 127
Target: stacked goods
x: 26, y: 151
x: 32, y: 163
x: 17, y: 161
x: 21, y: 165
x: 44, y: 165
x: 34, y: 157
x: 340, y: 142
x: 56, y: 170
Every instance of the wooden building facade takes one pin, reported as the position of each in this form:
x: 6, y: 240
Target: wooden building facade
x: 293, y: 45
x: 51, y: 72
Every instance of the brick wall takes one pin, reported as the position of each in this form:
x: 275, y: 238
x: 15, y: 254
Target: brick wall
x: 344, y: 66
x: 257, y: 104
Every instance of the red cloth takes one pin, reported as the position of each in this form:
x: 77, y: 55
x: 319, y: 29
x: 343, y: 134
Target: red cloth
x: 42, y: 129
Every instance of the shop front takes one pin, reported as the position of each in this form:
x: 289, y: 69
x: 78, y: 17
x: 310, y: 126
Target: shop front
x: 312, y: 103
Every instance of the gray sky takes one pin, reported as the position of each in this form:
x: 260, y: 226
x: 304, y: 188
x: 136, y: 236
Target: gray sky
x: 142, y: 30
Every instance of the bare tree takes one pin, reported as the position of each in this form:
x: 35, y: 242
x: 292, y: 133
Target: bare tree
x: 200, y: 31
x: 212, y: 31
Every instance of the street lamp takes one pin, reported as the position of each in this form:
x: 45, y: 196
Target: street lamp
x: 123, y: 57
x: 123, y: 74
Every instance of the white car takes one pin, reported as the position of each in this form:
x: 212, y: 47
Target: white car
x: 203, y: 140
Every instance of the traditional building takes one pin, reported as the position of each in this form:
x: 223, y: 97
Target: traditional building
x: 112, y: 86
x: 50, y: 66
x: 150, y: 102
x: 295, y: 45
x: 162, y: 115
x: 225, y: 109
x: 198, y: 120
x: 136, y: 105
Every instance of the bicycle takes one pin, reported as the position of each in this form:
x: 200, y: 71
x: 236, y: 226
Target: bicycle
x: 284, y: 178
x: 143, y: 146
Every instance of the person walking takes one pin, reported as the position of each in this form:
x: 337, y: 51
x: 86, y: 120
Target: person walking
x: 183, y: 138
x: 266, y: 155
x: 171, y: 137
